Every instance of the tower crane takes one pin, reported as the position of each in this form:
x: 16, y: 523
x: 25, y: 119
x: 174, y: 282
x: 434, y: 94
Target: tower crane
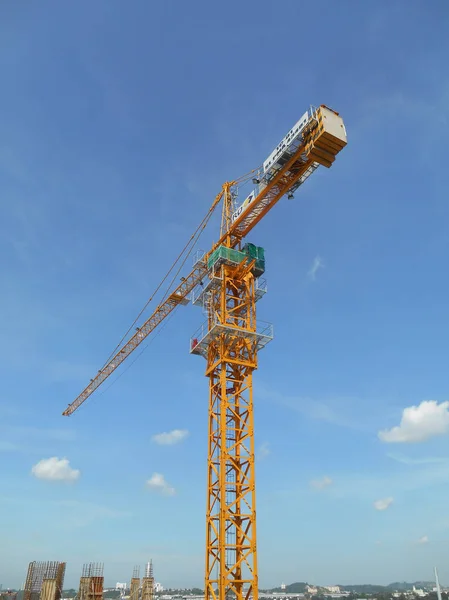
x: 226, y: 281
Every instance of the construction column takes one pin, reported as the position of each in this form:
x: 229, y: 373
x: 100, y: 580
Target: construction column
x: 148, y: 582
x: 91, y: 582
x: 44, y: 581
x: 135, y: 584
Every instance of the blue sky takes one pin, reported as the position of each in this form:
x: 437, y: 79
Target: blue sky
x: 118, y: 125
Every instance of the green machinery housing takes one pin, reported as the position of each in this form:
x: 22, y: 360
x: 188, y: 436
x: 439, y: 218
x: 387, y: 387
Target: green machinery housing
x: 248, y: 253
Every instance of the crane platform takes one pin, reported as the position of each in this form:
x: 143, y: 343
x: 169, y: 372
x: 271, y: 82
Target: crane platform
x: 199, y: 342
x: 199, y: 295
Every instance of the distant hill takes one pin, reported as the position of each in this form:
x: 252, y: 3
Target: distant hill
x: 366, y: 588
x: 403, y: 585
x: 293, y: 588
x: 398, y: 586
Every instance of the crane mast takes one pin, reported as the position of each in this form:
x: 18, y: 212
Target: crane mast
x: 230, y: 340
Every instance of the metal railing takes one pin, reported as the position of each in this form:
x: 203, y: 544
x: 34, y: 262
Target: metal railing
x: 200, y: 293
x: 264, y: 333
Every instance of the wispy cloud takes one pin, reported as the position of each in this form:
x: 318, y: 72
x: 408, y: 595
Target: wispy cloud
x: 337, y: 411
x: 419, y: 423
x: 321, y: 484
x: 383, y: 504
x: 55, y: 469
x: 317, y: 264
x: 405, y: 460
x: 45, y: 434
x: 80, y: 514
x: 60, y: 371
x: 392, y: 482
x: 31, y: 440
x: 9, y: 410
x: 171, y: 437
x: 423, y: 540
x: 264, y: 450
x: 158, y: 483
x: 6, y: 446
x: 316, y: 409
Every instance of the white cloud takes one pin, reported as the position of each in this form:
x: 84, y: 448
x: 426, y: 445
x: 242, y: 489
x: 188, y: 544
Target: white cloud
x: 383, y: 504
x: 321, y: 484
x: 264, y: 450
x: 317, y: 264
x: 423, y: 540
x: 419, y: 423
x: 157, y: 482
x: 55, y: 469
x: 171, y: 437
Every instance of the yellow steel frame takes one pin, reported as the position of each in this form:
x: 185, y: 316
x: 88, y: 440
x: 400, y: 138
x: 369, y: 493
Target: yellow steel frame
x: 231, y: 558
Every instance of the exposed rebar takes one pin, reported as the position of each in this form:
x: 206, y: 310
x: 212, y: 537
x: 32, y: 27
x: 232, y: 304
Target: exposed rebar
x: 51, y: 573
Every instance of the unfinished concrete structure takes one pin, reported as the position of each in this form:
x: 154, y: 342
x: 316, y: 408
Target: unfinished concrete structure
x: 135, y: 584
x: 44, y: 581
x: 49, y: 590
x: 91, y: 582
x: 7, y: 594
x: 148, y: 582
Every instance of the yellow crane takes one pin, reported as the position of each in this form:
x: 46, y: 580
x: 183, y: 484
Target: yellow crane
x: 226, y: 282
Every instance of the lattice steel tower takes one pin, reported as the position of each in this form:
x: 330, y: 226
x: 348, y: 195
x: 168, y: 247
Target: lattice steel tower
x: 230, y: 341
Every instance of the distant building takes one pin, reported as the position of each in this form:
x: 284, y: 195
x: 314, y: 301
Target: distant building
x: 121, y: 586
x: 333, y: 589
x: 283, y: 586
x: 158, y: 587
x: 311, y: 589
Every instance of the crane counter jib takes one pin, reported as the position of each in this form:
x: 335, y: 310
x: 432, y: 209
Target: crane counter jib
x: 284, y: 150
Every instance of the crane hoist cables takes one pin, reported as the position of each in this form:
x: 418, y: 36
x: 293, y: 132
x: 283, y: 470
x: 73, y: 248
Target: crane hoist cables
x: 128, y: 366
x: 244, y: 178
x: 193, y: 240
